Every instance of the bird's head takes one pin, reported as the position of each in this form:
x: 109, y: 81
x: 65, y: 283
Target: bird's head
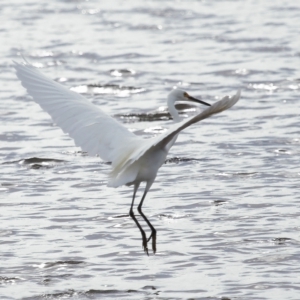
x: 180, y: 95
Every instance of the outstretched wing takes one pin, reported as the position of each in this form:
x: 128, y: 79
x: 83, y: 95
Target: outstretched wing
x: 93, y: 130
x: 164, y: 139
x: 224, y: 104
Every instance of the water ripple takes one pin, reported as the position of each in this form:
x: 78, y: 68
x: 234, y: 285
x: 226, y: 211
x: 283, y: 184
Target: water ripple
x: 225, y: 203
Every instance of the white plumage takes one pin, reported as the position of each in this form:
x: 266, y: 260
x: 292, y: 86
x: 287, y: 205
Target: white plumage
x: 134, y: 159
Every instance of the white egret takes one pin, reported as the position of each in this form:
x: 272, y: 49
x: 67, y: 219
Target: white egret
x: 134, y: 159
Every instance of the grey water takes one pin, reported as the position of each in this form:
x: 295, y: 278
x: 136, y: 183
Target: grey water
x: 226, y: 203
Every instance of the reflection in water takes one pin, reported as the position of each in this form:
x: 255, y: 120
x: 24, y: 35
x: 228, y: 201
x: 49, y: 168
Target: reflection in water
x: 115, y: 89
x: 122, y: 72
x: 161, y: 114
x: 36, y: 162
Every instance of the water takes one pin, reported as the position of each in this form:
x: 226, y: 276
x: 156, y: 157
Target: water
x: 225, y: 204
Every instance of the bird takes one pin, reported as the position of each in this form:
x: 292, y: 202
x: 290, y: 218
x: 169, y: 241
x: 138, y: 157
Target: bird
x: 134, y: 160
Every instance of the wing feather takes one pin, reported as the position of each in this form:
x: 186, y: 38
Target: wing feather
x: 93, y: 130
x: 164, y: 139
x: 223, y: 104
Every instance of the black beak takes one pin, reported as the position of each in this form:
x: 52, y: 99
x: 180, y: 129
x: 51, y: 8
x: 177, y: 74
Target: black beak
x: 197, y: 100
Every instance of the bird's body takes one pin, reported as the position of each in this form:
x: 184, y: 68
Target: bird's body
x: 134, y: 159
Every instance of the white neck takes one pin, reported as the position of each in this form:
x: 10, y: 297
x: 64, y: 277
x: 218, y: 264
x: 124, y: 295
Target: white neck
x: 172, y: 110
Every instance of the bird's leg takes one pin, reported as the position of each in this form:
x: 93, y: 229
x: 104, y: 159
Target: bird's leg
x: 153, y: 230
x: 131, y: 214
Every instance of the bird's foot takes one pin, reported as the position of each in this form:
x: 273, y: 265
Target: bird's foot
x: 145, y: 245
x: 149, y: 237
x: 153, y: 235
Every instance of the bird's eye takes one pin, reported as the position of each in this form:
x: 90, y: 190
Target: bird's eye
x: 185, y: 94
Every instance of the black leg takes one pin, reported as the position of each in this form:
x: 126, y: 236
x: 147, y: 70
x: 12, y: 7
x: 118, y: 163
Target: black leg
x: 153, y: 230
x: 131, y: 214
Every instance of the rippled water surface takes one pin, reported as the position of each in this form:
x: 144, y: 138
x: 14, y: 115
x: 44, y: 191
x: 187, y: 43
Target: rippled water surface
x: 226, y: 204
